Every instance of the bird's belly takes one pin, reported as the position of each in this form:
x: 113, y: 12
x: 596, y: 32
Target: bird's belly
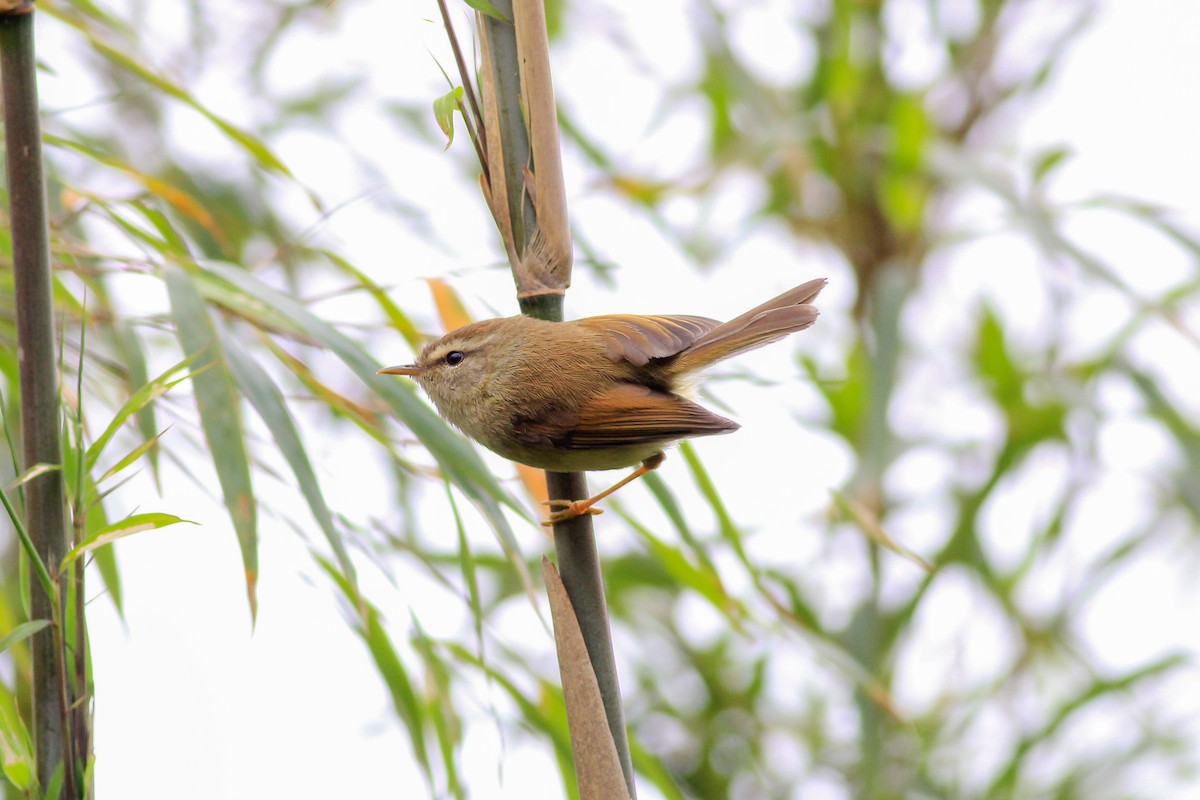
x: 563, y: 460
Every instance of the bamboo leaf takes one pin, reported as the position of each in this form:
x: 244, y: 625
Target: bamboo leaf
x: 456, y: 457
x: 484, y: 7
x: 398, y: 319
x: 31, y: 473
x: 16, y: 745
x: 22, y: 632
x: 119, y: 530
x: 251, y: 144
x: 133, y: 356
x: 104, y: 559
x: 217, y: 402
x: 869, y: 524
x: 1048, y: 160
x: 400, y: 685
x: 132, y: 456
x: 729, y: 529
x: 705, y: 582
x: 449, y: 305
x: 140, y: 400
x: 443, y: 111
x: 466, y: 562
x: 247, y: 306
x: 268, y: 401
x: 31, y: 551
x: 440, y: 707
x: 184, y: 203
x: 404, y: 697
x: 538, y: 718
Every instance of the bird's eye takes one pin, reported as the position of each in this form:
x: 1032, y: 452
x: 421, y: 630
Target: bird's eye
x: 454, y: 357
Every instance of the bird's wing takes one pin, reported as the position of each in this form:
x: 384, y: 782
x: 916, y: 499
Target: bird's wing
x: 627, y: 415
x: 637, y: 339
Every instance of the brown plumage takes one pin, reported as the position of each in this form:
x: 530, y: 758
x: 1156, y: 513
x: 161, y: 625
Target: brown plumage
x: 595, y: 393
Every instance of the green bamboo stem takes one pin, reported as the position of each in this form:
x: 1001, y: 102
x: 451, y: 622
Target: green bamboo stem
x: 579, y: 568
x: 574, y: 540
x: 45, y: 519
x: 516, y: 150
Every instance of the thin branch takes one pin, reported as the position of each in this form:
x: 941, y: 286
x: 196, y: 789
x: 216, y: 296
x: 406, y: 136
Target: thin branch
x: 469, y: 91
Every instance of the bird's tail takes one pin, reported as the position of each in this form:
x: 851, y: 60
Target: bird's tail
x: 769, y: 322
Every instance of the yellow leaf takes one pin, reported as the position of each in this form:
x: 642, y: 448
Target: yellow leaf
x: 449, y: 306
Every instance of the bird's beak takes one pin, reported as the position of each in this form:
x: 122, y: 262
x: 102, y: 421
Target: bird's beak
x: 411, y: 370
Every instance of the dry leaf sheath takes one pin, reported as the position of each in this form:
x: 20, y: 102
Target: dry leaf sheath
x: 595, y: 393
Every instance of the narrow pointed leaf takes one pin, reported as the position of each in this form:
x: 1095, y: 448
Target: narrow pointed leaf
x: 404, y: 697
x: 119, y: 530
x: 259, y: 151
x: 133, y: 357
x: 31, y: 473
x: 395, y: 314
x: 22, y: 632
x: 449, y: 305
x: 132, y: 456
x: 217, y: 401
x: 268, y: 401
x: 16, y: 746
x: 140, y: 399
x: 461, y: 464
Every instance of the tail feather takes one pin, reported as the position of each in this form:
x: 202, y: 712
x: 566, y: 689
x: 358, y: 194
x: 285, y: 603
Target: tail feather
x: 766, y: 323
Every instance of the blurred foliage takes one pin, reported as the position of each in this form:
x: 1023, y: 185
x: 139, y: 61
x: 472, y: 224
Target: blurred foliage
x: 205, y: 267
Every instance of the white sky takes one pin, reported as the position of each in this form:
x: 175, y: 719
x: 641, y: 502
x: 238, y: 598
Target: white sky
x: 189, y: 699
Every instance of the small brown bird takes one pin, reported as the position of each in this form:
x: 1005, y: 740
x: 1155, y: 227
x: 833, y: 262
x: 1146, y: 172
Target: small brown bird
x: 595, y: 393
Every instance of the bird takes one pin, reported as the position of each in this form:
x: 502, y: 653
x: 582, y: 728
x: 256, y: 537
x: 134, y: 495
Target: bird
x: 595, y: 393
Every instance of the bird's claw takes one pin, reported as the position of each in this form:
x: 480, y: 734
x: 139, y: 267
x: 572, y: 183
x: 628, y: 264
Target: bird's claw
x: 570, y: 510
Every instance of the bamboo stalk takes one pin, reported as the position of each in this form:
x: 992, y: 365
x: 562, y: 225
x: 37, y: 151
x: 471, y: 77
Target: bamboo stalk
x: 528, y: 199
x: 40, y: 418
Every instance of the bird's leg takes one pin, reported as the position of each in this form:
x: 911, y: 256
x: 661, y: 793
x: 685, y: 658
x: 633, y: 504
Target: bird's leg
x: 576, y: 508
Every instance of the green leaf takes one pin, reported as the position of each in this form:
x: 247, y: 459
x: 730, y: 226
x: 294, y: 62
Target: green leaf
x: 251, y: 144
x: 1049, y: 160
x: 458, y: 460
x: 104, y: 559
x: 869, y: 524
x: 16, y: 746
x: 404, y: 696
x: 31, y: 552
x: 140, y: 400
x: 22, y: 632
x: 268, y: 401
x: 135, y: 523
x: 31, y: 473
x: 395, y: 315
x: 995, y: 364
x: 132, y: 456
x: 729, y: 529
x: 217, y: 401
x: 440, y: 707
x: 847, y: 396
x: 443, y: 111
x: 405, y: 700
x: 705, y: 582
x: 549, y: 718
x: 466, y: 563
x: 484, y: 7
x: 911, y: 130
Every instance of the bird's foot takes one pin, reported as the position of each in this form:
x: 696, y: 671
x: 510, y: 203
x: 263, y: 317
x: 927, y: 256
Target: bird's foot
x: 570, y: 509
